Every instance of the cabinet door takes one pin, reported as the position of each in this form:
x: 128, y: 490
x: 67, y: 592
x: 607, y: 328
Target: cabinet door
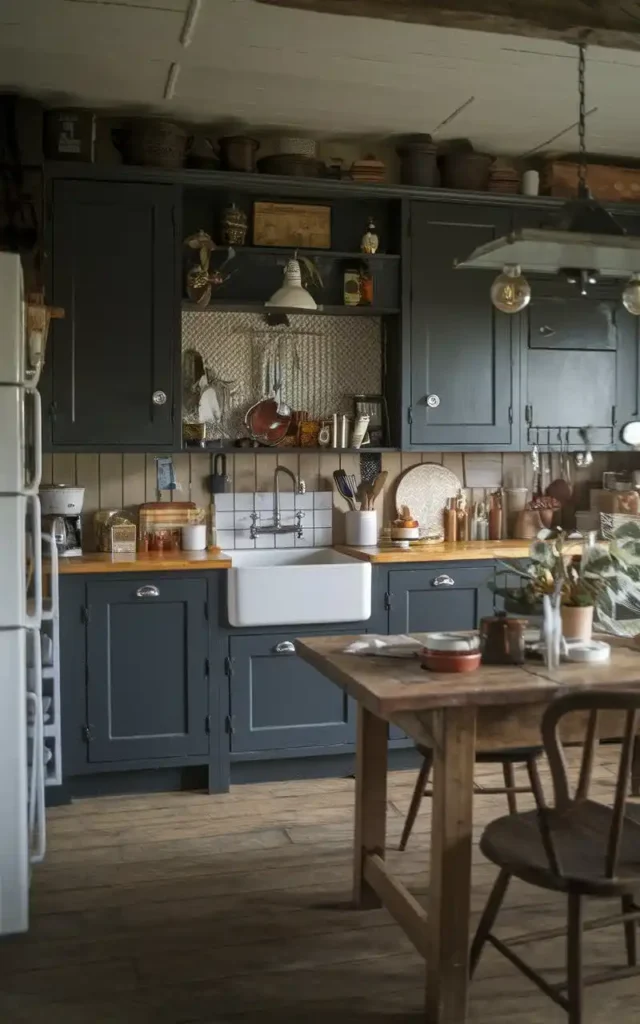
x: 279, y: 702
x: 114, y: 255
x: 461, y: 352
x: 579, y: 357
x: 440, y: 598
x: 147, y: 669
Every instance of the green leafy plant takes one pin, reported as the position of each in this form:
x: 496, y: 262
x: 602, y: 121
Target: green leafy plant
x: 615, y: 569
x: 551, y: 563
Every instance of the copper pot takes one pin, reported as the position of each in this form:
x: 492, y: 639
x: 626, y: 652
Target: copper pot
x: 502, y: 640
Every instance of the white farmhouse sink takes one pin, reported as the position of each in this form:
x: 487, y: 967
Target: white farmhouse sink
x: 280, y: 587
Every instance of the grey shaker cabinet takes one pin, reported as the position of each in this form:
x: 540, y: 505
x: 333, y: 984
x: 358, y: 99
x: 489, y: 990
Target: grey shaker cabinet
x: 114, y: 268
x: 147, y: 668
x: 279, y: 702
x: 460, y: 373
x: 443, y: 597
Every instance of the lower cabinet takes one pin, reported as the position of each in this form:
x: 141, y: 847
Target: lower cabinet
x: 437, y: 599
x: 440, y: 598
x: 279, y: 702
x: 147, y: 668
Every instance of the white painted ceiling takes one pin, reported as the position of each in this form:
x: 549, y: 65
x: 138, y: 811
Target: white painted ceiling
x: 254, y: 65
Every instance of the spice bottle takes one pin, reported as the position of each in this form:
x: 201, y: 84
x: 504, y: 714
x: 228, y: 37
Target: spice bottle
x: 463, y: 517
x: 495, y: 516
x: 451, y: 521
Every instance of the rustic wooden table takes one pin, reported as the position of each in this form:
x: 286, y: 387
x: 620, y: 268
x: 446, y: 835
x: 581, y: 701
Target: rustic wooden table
x: 455, y: 714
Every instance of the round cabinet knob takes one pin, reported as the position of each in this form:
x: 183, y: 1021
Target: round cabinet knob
x: 433, y: 401
x: 158, y: 398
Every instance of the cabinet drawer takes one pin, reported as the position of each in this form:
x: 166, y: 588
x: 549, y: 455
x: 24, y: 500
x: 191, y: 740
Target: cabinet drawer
x: 279, y: 701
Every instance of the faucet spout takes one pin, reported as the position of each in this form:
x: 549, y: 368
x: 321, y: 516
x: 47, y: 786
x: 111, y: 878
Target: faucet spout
x: 298, y: 487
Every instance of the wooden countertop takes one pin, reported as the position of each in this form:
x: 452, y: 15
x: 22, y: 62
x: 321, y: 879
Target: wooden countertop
x: 463, y: 551
x: 144, y: 562
x: 388, y: 685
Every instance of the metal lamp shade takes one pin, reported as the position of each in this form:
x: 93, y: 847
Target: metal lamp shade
x: 292, y: 295
x: 548, y: 252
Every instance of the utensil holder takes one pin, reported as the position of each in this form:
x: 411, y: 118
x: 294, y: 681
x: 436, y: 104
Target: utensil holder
x: 361, y: 528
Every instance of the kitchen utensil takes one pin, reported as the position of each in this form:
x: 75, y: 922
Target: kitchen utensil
x: 194, y: 537
x: 218, y: 480
x: 61, y: 500
x: 425, y: 490
x: 344, y: 488
x: 559, y: 488
x: 502, y: 640
x: 535, y: 466
x: 361, y: 528
x: 377, y: 485
x: 584, y: 458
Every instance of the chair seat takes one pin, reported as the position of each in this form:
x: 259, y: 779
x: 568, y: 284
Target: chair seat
x: 510, y: 755
x: 580, y: 837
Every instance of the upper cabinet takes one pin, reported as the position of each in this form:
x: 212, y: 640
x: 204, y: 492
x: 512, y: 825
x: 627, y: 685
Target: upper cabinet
x: 111, y: 364
x: 460, y: 376
x: 579, y: 359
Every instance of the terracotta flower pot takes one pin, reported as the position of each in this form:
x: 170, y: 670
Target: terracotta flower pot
x: 577, y: 623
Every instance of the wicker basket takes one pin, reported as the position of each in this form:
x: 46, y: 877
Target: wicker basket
x: 155, y: 143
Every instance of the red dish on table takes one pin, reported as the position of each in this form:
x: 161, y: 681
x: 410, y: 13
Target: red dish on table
x: 450, y: 661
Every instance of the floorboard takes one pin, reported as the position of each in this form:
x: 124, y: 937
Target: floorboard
x: 185, y: 908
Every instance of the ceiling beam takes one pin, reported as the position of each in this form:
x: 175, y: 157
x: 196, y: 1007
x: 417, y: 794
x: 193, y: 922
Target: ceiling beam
x: 613, y: 23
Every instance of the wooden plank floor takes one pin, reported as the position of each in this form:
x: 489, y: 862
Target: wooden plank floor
x: 185, y: 908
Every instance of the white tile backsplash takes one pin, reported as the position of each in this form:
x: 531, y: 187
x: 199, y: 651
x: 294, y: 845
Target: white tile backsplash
x: 225, y: 520
x: 323, y: 517
x: 264, y: 502
x: 234, y: 527
x: 243, y: 502
x: 322, y: 538
x: 323, y: 499
x: 223, y: 502
x: 226, y: 539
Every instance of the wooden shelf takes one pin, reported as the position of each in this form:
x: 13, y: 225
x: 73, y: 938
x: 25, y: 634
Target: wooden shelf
x: 333, y: 254
x: 258, y: 307
x: 231, y: 449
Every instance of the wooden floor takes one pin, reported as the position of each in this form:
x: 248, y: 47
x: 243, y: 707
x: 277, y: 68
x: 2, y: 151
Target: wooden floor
x: 186, y: 907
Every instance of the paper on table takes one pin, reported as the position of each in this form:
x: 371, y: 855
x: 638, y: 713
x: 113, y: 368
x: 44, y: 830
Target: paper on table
x: 400, y: 646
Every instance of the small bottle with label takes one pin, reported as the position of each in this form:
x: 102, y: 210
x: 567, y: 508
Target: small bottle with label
x: 451, y: 521
x: 463, y: 517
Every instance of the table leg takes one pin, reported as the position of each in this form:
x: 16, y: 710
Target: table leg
x: 450, y: 880
x: 371, y: 802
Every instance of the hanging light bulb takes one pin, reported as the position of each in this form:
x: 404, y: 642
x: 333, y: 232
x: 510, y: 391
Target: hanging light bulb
x: 631, y: 295
x: 510, y: 292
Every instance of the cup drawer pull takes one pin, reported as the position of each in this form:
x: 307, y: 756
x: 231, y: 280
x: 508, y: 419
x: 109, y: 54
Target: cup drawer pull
x: 285, y: 647
x: 443, y: 581
x: 148, y: 591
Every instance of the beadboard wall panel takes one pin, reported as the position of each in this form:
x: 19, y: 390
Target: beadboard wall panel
x: 124, y: 481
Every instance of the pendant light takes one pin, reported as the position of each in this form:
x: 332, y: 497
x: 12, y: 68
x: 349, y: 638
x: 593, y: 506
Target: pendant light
x: 586, y: 243
x: 291, y: 294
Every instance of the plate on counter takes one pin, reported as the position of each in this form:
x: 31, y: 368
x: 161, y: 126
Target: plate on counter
x: 425, y: 490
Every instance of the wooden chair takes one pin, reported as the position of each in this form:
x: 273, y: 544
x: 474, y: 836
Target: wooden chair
x: 579, y: 847
x: 507, y: 758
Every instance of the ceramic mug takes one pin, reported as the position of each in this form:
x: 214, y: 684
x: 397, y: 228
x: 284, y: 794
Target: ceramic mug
x: 531, y: 183
x: 194, y: 537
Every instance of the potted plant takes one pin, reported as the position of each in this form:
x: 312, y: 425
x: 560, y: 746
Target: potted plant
x: 553, y: 569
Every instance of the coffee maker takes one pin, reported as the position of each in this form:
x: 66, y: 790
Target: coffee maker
x: 61, y: 515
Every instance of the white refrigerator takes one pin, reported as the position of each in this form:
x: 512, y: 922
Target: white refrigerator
x: 22, y: 772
